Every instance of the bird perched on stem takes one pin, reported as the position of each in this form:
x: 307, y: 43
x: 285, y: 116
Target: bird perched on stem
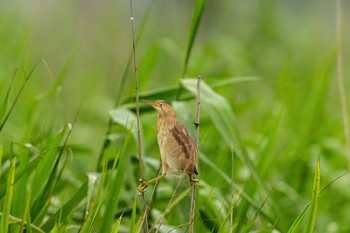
x: 177, y: 148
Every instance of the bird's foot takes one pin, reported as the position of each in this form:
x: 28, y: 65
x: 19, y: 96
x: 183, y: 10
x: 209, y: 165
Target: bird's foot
x: 194, y: 180
x: 142, y: 186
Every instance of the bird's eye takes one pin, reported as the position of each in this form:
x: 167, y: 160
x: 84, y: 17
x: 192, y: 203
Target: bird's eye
x: 160, y: 105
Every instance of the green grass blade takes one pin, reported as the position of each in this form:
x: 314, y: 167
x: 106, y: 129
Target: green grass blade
x: 228, y: 215
x: 22, y: 173
x: 93, y: 209
x: 197, y: 16
x: 133, y: 225
x: 265, y: 161
x: 8, y: 198
x: 44, y: 175
x: 26, y: 221
x: 5, y: 102
x: 17, y: 96
x: 20, y: 187
x: 117, y: 224
x: 204, y: 159
x: 251, y: 222
x: 314, y: 201
x: 114, y: 188
x: 296, y: 222
x: 1, y: 151
x: 67, y: 209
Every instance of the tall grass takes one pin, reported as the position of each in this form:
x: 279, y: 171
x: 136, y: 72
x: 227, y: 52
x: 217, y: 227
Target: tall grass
x: 268, y: 90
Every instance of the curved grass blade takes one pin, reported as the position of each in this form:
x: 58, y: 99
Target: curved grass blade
x: 18, y: 95
x: 251, y: 223
x: 293, y: 228
x: 314, y: 202
x: 5, y: 102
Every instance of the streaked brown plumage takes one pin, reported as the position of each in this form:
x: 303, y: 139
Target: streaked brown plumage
x: 177, y: 148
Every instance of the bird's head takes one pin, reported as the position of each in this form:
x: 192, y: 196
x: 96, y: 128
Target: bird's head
x: 162, y: 107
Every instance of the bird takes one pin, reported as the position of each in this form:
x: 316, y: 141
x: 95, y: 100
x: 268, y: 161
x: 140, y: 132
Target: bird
x: 177, y: 147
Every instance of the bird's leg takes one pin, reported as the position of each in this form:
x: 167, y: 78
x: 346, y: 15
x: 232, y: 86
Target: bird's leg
x: 145, y: 184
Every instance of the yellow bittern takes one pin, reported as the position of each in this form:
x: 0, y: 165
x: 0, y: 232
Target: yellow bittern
x: 177, y: 148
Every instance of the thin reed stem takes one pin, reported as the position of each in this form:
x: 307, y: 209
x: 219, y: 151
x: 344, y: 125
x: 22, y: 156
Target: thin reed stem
x: 340, y: 79
x: 139, y: 146
x: 119, y: 92
x: 193, y: 192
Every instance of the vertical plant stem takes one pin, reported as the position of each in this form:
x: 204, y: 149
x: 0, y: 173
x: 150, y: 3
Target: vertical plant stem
x: 119, y: 92
x: 341, y: 82
x: 232, y: 196
x: 193, y: 192
x: 144, y: 204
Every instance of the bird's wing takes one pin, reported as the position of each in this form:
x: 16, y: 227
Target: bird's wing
x: 185, y: 141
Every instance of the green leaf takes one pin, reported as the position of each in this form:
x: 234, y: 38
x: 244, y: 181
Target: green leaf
x: 125, y: 118
x: 221, y: 114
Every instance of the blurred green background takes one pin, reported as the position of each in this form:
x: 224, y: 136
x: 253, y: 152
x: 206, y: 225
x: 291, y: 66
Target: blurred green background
x: 288, y: 116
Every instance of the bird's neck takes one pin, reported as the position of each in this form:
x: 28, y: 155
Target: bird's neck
x: 165, y: 123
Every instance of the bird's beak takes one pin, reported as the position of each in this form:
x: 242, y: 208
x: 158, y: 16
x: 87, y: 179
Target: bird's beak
x: 149, y: 103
